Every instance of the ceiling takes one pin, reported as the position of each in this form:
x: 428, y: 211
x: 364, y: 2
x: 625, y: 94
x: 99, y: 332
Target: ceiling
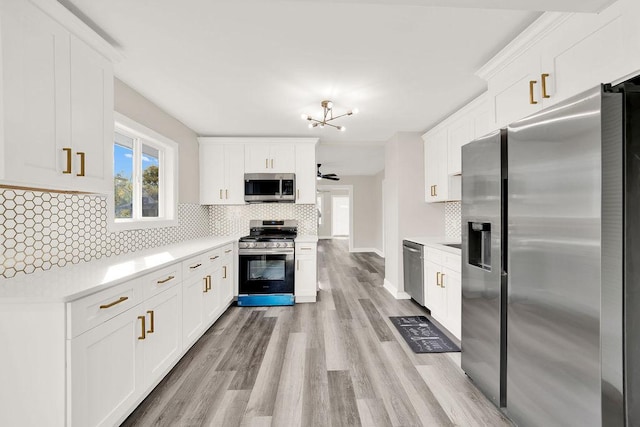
x: 251, y: 68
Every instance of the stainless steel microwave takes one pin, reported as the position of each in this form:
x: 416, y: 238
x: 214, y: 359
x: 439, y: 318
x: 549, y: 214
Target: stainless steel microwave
x: 269, y: 187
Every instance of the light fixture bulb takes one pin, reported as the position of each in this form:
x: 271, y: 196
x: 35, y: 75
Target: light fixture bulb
x: 311, y: 125
x: 342, y: 128
x: 355, y: 111
x: 318, y: 178
x: 322, y: 125
x: 329, y: 105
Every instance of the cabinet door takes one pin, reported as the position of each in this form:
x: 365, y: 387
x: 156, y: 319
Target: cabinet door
x: 91, y: 118
x: 453, y: 291
x: 234, y: 174
x: 163, y: 342
x: 227, y: 278
x: 509, y: 90
x: 35, y: 76
x: 193, y: 292
x: 282, y: 158
x: 257, y: 158
x: 306, y: 174
x: 434, y: 298
x: 212, y: 297
x: 106, y: 371
x: 460, y: 132
x: 305, y: 278
x: 436, y: 178
x: 212, y: 173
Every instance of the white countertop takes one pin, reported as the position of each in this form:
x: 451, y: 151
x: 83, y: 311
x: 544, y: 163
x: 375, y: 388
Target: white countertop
x: 79, y: 280
x: 437, y: 243
x: 307, y: 239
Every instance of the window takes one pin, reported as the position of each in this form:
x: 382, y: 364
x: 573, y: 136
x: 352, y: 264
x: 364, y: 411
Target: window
x: 144, y: 175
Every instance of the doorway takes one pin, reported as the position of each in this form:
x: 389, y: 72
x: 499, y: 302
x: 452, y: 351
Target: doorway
x: 342, y: 209
x: 340, y: 216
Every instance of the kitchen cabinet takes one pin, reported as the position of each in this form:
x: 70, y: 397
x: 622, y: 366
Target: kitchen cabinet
x: 221, y: 172
x: 57, y: 101
x: 227, y: 271
x: 435, y: 160
x: 306, y: 173
x: 443, y: 290
x: 306, y: 276
x: 268, y: 157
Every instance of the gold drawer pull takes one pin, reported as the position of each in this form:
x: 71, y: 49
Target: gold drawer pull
x: 160, y: 282
x: 306, y: 249
x: 544, y: 85
x: 144, y: 328
x: 68, y: 151
x: 151, y: 329
x: 225, y: 272
x: 227, y: 251
x: 111, y: 304
x: 81, y: 154
x: 531, y: 84
x: 193, y: 267
x: 214, y: 257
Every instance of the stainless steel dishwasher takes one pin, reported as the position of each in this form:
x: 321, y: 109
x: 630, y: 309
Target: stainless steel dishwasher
x: 413, y: 262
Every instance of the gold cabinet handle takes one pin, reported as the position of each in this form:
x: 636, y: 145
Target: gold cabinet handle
x: 81, y: 154
x: 193, y: 267
x: 531, y: 85
x: 227, y: 251
x: 160, y: 282
x: 68, y: 151
x: 151, y: 320
x: 298, y: 194
x: 438, y: 279
x: 305, y: 249
x: 224, y: 268
x: 209, y: 282
x: 206, y: 285
x: 271, y: 163
x: 435, y: 190
x: 442, y: 280
x: 226, y: 194
x: 266, y: 163
x: 111, y: 304
x: 144, y: 328
x: 298, y: 265
x: 221, y: 194
x: 544, y: 85
x: 214, y: 257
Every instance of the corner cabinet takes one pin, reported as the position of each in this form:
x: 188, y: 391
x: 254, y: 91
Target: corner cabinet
x: 57, y: 100
x: 221, y: 172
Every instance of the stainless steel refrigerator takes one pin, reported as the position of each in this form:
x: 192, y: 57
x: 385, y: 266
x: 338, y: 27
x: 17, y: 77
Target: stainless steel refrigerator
x: 545, y: 277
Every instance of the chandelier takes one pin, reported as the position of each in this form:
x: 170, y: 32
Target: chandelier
x: 327, y: 116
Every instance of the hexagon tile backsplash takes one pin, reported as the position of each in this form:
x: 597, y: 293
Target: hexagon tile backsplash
x: 39, y: 230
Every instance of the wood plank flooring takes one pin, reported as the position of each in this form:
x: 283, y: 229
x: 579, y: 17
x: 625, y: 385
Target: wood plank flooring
x: 339, y: 362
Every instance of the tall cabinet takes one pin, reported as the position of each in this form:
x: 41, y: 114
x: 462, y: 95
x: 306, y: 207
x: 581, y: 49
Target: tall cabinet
x: 57, y: 100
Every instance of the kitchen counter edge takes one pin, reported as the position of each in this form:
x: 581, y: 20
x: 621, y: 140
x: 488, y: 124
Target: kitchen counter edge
x: 437, y: 243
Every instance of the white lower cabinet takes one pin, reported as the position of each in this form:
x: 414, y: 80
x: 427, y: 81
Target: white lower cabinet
x: 306, y: 277
x: 227, y: 280
x: 443, y: 292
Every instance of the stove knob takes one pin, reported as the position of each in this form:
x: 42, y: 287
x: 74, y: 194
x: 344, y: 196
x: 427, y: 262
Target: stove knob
x: 277, y: 245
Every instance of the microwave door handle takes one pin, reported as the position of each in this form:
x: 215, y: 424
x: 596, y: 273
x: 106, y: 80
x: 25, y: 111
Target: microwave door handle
x: 280, y: 194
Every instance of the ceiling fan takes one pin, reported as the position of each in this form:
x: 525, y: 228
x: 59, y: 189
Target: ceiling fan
x: 331, y: 176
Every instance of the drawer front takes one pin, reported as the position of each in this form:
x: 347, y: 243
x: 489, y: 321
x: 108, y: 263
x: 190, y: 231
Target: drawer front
x: 434, y: 255
x: 160, y: 280
x: 452, y: 262
x: 305, y: 248
x: 195, y: 266
x: 213, y: 259
x: 93, y: 310
x: 227, y: 250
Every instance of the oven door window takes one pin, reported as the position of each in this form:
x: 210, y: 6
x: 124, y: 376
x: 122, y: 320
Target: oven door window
x: 266, y: 269
x: 266, y: 274
x: 259, y: 187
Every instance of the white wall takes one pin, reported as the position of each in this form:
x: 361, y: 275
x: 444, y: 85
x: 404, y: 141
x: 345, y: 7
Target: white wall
x: 138, y: 108
x: 406, y: 214
x: 367, y: 210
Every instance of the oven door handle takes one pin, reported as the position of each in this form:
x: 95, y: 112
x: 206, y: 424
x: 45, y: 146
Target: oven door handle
x: 275, y: 251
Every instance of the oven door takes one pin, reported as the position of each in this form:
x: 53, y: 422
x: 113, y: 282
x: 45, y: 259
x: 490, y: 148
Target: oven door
x: 266, y: 272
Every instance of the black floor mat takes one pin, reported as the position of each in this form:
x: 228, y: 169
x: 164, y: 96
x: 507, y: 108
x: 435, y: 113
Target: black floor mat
x: 422, y: 335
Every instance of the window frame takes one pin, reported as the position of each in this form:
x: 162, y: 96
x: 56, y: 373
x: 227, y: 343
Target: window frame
x: 167, y: 177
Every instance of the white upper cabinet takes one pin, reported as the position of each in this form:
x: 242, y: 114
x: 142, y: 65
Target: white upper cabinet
x: 265, y: 157
x: 435, y: 160
x: 306, y: 173
x: 221, y: 172
x: 57, y: 101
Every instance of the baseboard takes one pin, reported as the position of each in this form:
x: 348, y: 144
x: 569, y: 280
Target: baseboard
x: 305, y: 298
x: 374, y: 250
x: 394, y: 291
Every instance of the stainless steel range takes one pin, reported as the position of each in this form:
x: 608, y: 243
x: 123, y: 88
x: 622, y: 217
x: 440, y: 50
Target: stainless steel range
x: 267, y: 258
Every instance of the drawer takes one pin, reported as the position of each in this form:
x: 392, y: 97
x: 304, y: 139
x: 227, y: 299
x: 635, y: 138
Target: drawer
x: 453, y: 262
x: 213, y: 259
x: 434, y: 255
x: 93, y: 310
x: 196, y: 266
x: 227, y: 250
x: 160, y: 280
x: 305, y: 248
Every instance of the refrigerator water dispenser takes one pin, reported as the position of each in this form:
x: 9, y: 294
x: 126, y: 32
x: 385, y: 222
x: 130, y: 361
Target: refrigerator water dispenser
x: 480, y: 245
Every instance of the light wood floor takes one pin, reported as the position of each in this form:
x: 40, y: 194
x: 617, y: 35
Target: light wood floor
x: 339, y: 362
